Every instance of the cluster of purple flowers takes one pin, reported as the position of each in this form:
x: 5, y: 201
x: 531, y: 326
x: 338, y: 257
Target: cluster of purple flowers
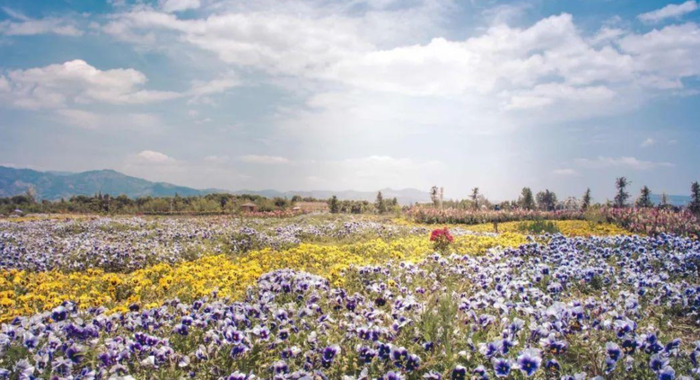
x: 128, y: 244
x: 628, y: 305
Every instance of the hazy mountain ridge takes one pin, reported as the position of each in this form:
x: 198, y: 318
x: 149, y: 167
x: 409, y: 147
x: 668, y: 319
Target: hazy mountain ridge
x: 53, y: 186
x: 57, y: 185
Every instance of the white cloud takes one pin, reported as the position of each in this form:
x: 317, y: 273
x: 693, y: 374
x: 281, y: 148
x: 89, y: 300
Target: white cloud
x: 565, y: 172
x: 25, y: 26
x: 59, y: 85
x: 550, y: 93
x: 123, y: 121
x: 648, y: 142
x: 179, y: 5
x: 620, y: 162
x: 200, y: 91
x: 539, y: 66
x: 264, y: 160
x: 669, y: 11
x: 153, y: 157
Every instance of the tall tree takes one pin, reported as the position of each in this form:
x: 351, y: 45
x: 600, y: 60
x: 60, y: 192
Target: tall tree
x: 475, y: 198
x: 664, y: 200
x: 622, y: 195
x: 333, y: 205
x: 695, y: 198
x: 586, y: 199
x: 435, y: 196
x: 546, y: 200
x: 380, y: 204
x: 526, y: 200
x: 644, y: 199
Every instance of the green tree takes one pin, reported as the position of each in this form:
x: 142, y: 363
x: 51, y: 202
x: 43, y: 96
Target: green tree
x: 644, y: 199
x: 379, y: 203
x: 31, y: 194
x: 546, y: 200
x: 435, y: 196
x: 695, y: 198
x: 622, y: 195
x: 586, y: 200
x: 526, y: 200
x: 333, y: 205
x: 475, y: 198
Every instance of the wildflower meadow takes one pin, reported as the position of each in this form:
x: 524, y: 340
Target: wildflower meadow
x: 343, y: 297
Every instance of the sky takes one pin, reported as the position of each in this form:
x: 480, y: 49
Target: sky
x: 358, y: 94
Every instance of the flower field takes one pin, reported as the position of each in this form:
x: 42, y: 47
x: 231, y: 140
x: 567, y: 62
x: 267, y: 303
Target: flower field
x: 326, y: 297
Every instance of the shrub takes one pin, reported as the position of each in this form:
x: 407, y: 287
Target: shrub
x: 539, y: 227
x: 441, y: 239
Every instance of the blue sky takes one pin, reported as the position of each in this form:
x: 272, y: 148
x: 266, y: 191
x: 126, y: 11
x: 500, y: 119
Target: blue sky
x: 364, y: 94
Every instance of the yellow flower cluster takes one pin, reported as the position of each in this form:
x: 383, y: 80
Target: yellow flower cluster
x: 567, y: 227
x: 25, y: 293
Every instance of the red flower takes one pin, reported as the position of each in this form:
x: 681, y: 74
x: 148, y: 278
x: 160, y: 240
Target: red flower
x: 441, y: 234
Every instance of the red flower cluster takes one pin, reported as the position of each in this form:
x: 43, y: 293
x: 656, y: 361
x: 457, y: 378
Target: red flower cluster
x: 441, y: 235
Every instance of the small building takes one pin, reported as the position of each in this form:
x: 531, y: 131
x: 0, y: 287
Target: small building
x: 18, y: 212
x: 312, y: 206
x: 249, y: 207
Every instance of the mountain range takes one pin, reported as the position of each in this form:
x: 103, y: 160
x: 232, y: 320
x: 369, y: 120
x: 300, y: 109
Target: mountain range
x: 56, y: 185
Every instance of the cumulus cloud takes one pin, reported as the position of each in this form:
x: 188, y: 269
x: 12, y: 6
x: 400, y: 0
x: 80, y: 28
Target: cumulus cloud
x: 543, y: 66
x: 669, y: 11
x: 77, y: 82
x: 620, y: 162
x: 264, y: 160
x: 153, y: 157
x: 178, y: 5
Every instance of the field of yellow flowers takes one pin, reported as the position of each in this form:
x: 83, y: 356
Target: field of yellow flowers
x: 218, y: 274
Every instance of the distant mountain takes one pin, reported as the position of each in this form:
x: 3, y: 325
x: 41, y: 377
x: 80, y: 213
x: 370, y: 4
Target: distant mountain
x: 57, y: 185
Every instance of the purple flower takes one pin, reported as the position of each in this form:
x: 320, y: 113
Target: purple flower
x: 59, y: 314
x: 432, y: 375
x: 667, y: 373
x: 391, y: 375
x: 613, y: 350
x: 657, y: 362
x: 412, y: 362
x: 280, y: 367
x: 459, y: 373
x: 529, y: 361
x: 329, y: 353
x: 501, y: 367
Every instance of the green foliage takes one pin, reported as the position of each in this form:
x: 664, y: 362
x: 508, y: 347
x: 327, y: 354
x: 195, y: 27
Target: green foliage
x: 586, y: 202
x: 621, y: 197
x: 694, y: 206
x: 546, y: 200
x: 644, y: 199
x: 379, y: 204
x: 333, y: 205
x: 538, y: 227
x: 526, y: 199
